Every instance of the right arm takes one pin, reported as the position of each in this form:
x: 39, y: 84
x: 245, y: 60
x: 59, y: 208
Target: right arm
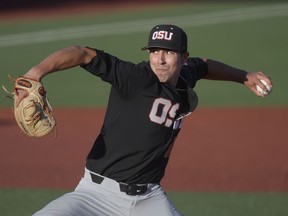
x: 60, y: 60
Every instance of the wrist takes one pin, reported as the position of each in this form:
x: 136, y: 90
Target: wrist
x: 33, y: 74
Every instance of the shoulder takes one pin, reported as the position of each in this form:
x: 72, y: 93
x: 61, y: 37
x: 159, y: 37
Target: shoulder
x: 196, y: 63
x: 193, y: 70
x: 195, y: 67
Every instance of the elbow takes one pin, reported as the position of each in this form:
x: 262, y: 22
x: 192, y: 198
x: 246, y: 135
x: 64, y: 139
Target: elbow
x: 85, y: 53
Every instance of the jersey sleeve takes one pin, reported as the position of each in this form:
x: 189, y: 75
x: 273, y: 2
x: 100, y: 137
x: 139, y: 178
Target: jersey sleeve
x: 123, y: 75
x: 198, y: 67
x: 194, y: 70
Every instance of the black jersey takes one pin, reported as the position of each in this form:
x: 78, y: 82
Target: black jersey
x: 142, y: 120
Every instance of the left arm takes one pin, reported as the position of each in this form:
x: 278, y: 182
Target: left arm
x: 220, y: 71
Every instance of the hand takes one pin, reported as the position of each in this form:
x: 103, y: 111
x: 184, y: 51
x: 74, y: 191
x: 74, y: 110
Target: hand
x: 21, y: 94
x: 34, y: 115
x: 253, y: 79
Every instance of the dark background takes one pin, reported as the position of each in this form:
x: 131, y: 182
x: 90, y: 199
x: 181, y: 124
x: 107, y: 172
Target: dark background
x: 6, y: 5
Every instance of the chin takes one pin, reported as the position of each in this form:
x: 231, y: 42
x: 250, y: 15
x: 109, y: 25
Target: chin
x: 162, y: 80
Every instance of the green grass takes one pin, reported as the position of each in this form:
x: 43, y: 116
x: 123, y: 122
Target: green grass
x: 16, y: 202
x: 24, y: 202
x: 257, y: 44
x: 231, y: 204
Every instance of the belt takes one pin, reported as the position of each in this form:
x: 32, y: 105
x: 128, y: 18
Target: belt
x: 129, y: 189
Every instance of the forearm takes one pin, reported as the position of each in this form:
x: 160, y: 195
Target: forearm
x: 221, y: 71
x: 60, y: 60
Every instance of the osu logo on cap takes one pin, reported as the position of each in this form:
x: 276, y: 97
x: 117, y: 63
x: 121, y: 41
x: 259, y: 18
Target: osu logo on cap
x: 162, y: 35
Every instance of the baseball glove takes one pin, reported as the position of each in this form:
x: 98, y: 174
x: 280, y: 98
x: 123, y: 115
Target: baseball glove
x: 33, y: 114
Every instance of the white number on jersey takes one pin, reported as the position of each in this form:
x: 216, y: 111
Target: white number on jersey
x: 163, y: 111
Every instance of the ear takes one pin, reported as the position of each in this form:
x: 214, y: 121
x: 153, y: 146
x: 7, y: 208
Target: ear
x: 185, y: 56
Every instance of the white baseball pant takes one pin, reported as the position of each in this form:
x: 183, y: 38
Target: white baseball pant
x: 106, y: 199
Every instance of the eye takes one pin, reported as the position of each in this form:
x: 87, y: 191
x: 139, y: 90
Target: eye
x: 170, y: 52
x: 154, y: 51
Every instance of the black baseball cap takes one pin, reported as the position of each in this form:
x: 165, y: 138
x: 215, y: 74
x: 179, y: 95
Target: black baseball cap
x: 168, y: 37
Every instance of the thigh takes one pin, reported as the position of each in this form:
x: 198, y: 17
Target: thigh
x: 71, y: 204
x: 87, y: 200
x: 156, y: 203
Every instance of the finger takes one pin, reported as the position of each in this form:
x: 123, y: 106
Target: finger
x: 257, y: 92
x: 21, y: 94
x: 263, y: 76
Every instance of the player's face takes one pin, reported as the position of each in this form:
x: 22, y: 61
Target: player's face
x: 166, y: 64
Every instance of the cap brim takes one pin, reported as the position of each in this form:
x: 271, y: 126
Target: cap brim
x: 145, y: 48
x: 160, y: 46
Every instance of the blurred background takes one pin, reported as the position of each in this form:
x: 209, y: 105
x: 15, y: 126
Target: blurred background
x: 235, y: 158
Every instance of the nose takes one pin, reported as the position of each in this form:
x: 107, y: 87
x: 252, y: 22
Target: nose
x: 161, y: 57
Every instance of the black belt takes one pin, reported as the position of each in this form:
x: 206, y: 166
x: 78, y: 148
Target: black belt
x: 129, y: 189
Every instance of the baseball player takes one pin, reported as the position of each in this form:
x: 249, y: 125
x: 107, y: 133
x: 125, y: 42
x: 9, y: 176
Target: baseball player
x: 146, y: 107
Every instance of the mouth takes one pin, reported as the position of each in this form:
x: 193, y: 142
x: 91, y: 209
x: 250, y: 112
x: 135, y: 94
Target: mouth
x: 161, y: 69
